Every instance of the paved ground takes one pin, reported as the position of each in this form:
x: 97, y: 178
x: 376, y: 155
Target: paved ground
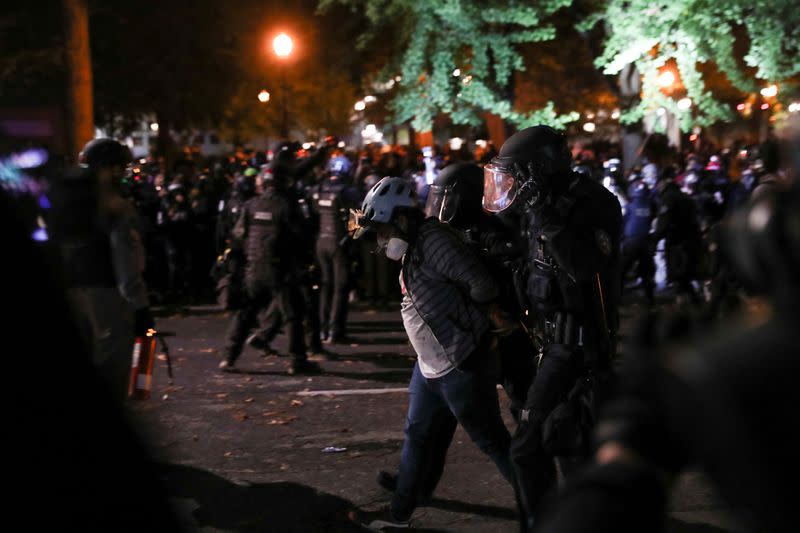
x: 244, y: 452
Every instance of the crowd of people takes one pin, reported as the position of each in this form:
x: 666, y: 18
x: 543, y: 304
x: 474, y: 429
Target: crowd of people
x: 512, y: 266
x: 187, y: 214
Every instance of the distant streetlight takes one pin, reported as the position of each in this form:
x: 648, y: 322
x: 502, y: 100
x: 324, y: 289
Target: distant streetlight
x: 769, y: 92
x: 457, y: 72
x: 370, y: 99
x: 360, y: 105
x: 666, y: 79
x: 154, y: 126
x: 589, y: 127
x: 282, y: 44
x: 263, y: 96
x: 684, y: 104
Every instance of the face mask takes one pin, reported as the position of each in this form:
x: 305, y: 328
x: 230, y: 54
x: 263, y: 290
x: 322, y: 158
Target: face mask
x: 396, y: 248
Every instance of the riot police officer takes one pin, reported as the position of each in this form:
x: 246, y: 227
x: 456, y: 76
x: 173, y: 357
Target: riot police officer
x: 102, y: 258
x: 572, y: 291
x: 636, y: 244
x: 332, y: 200
x: 268, y: 230
x: 244, y: 188
x: 677, y: 224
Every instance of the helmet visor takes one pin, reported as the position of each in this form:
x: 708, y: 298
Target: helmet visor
x: 499, y: 188
x: 433, y: 207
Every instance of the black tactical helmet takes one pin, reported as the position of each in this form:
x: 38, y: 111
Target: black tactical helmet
x: 541, y: 149
x: 104, y: 153
x: 455, y: 195
x: 245, y: 186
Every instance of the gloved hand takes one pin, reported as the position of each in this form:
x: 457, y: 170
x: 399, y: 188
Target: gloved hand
x: 143, y: 321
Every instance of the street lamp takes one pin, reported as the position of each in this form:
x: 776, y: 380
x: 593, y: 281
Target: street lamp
x: 282, y: 44
x: 263, y: 96
x: 769, y: 92
x: 666, y: 79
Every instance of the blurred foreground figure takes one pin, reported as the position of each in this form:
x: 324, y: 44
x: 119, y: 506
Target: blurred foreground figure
x: 73, y: 447
x: 102, y: 258
x: 728, y: 406
x: 572, y: 291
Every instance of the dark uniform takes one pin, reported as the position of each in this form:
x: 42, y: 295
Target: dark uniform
x: 332, y: 200
x: 267, y: 231
x: 574, y: 233
x: 725, y: 403
x: 677, y: 224
x: 637, y: 244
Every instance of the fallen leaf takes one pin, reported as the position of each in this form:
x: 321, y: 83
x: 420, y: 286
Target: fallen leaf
x: 162, y: 357
x: 241, y: 417
x: 207, y: 350
x: 228, y: 454
x: 222, y: 395
x: 297, y: 402
x: 249, y: 400
x: 284, y: 466
x: 270, y: 413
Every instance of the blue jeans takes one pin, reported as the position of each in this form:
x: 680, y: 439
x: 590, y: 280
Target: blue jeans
x: 469, y: 397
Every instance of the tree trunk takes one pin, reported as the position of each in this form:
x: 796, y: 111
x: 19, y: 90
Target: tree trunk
x: 79, y: 104
x: 496, y: 127
x: 630, y: 84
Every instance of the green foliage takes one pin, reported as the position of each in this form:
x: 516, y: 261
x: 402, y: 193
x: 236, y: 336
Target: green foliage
x: 652, y: 34
x: 479, y: 38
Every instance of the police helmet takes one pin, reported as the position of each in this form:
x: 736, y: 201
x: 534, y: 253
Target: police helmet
x: 455, y: 195
x: 541, y: 149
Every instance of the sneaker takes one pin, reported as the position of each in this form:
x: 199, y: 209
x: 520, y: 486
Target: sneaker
x: 380, y: 520
x: 227, y: 366
x: 304, y: 366
x: 387, y: 481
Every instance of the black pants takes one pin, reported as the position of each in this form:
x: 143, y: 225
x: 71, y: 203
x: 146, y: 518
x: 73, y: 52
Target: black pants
x: 533, y: 467
x: 334, y: 266
x: 639, y: 251
x: 272, y: 319
x: 289, y: 302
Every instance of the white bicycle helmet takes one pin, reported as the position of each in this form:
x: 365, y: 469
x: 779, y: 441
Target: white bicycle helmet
x: 381, y: 202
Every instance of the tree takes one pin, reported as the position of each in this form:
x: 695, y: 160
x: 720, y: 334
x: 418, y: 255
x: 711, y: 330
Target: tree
x: 750, y: 43
x: 457, y: 57
x: 80, y: 117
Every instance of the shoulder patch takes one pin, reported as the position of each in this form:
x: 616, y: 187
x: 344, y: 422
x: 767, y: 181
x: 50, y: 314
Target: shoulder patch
x: 603, y: 241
